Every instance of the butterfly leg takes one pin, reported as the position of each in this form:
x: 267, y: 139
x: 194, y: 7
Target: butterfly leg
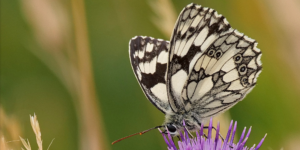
x: 215, y: 130
x: 191, y: 135
x: 219, y: 134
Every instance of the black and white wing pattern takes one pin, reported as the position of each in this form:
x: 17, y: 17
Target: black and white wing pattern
x: 222, y: 76
x: 196, y: 29
x: 211, y: 66
x: 205, y: 69
x: 149, y: 58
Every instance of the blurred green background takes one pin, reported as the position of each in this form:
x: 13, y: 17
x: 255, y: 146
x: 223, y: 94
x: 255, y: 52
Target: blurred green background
x: 44, y: 72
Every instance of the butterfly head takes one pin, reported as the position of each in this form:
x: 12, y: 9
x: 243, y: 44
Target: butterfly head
x: 171, y: 129
x: 174, y: 124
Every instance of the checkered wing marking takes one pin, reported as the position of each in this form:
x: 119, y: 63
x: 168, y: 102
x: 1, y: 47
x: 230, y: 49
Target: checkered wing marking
x: 195, y: 30
x: 149, y: 58
x: 223, y: 75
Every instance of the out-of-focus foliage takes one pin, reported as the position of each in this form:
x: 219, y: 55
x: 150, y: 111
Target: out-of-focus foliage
x: 28, y: 85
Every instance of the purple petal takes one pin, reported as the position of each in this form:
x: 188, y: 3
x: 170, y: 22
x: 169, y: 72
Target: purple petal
x: 180, y: 145
x: 242, y: 137
x: 171, y: 140
x: 165, y: 138
x: 217, y: 135
x: 228, y: 135
x: 252, y: 148
x: 249, y: 131
x: 198, y: 135
x: 186, y: 133
x: 198, y: 138
x: 260, y: 143
x: 242, y: 144
x: 201, y: 130
x: 247, y: 136
x: 233, y: 133
x: 209, y: 129
x: 181, y: 136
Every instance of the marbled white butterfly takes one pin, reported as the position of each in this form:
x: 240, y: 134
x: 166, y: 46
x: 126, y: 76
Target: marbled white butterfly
x: 205, y: 69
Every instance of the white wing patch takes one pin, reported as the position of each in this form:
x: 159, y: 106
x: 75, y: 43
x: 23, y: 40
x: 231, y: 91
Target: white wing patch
x: 229, y: 65
x: 175, y: 79
x: 160, y: 91
x: 163, y: 57
x: 202, y: 88
x: 231, y: 75
x: 201, y: 36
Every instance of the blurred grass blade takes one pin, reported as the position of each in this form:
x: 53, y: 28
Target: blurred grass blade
x: 69, y: 60
x: 165, y: 16
x: 37, y: 131
x: 92, y: 133
x: 25, y: 143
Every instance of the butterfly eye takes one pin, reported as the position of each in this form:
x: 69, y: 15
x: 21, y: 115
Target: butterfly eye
x: 171, y: 128
x: 211, y: 53
x: 237, y: 58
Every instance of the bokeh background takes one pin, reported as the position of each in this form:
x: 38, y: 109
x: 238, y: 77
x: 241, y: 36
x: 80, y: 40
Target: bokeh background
x: 67, y: 62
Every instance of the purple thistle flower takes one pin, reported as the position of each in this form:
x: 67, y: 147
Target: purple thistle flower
x: 202, y: 143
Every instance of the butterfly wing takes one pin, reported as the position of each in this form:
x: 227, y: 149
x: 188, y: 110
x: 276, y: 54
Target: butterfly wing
x: 149, y: 58
x: 195, y: 30
x: 224, y: 74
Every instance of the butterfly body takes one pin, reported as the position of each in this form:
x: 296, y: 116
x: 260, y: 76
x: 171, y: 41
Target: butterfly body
x: 205, y: 69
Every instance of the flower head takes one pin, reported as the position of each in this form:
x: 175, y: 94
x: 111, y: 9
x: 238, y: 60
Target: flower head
x: 203, y: 142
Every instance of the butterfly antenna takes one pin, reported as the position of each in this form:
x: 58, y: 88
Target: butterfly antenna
x: 139, y: 133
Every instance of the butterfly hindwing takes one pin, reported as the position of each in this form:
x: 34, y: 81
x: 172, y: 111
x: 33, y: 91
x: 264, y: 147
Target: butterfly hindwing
x: 195, y: 30
x: 223, y: 75
x: 149, y: 58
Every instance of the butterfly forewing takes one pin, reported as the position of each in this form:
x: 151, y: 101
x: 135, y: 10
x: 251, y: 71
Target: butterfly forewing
x: 149, y: 58
x: 195, y: 30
